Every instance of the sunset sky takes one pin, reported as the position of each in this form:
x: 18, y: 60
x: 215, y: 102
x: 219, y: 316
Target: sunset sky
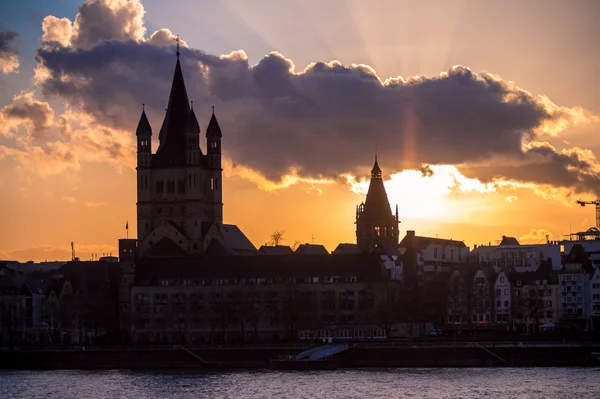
x: 484, y: 115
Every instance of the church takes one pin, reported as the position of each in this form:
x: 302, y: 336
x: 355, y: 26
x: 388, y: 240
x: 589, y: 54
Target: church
x: 180, y: 188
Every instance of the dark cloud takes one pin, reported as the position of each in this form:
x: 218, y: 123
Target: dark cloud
x: 8, y: 51
x: 325, y: 120
x: 543, y: 164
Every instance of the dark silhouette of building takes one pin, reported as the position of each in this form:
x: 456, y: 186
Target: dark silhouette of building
x: 179, y: 188
x: 376, y: 225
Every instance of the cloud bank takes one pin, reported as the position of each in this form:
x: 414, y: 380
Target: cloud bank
x: 9, y: 61
x: 322, y: 122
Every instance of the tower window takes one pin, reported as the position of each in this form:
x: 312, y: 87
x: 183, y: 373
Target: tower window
x: 377, y: 231
x: 212, y: 184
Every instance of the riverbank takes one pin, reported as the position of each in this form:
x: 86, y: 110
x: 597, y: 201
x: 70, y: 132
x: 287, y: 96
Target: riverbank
x: 357, y: 356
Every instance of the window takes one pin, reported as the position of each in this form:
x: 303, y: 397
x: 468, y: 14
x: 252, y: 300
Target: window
x: 506, y: 304
x: 498, y: 304
x: 435, y: 252
x: 212, y: 184
x: 506, y: 291
x: 498, y: 291
x: 501, y: 279
x: 377, y: 231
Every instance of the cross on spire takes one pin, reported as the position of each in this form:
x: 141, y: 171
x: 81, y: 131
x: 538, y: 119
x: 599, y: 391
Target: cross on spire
x: 177, y: 39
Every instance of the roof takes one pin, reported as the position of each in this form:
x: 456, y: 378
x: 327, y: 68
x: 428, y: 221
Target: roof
x: 236, y: 240
x: 171, y: 151
x: 346, y: 248
x: 311, y: 249
x: 529, y: 278
x: 377, y: 205
x: 165, y: 247
x: 509, y: 241
x: 578, y: 255
x: 193, y: 124
x: 276, y: 250
x: 143, y: 128
x: 368, y: 267
x: 213, y: 128
x: 424, y: 242
x: 217, y: 248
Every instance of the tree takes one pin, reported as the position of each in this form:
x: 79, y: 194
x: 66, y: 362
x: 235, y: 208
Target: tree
x: 277, y: 237
x: 387, y: 305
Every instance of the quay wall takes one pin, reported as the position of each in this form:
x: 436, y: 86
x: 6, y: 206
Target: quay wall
x: 169, y: 356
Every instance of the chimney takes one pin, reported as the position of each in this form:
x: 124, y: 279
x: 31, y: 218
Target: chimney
x: 410, y: 233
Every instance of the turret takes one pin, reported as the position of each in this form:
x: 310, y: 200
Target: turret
x: 213, y: 142
x: 192, y: 139
x: 144, y: 141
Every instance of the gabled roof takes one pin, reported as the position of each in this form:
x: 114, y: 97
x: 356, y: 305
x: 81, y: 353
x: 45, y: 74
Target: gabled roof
x: 171, y: 151
x: 346, y: 248
x: 275, y: 250
x: 311, y: 249
x: 143, y: 128
x: 509, y: 241
x: 165, y: 247
x: 424, y: 242
x: 236, y: 240
x: 217, y: 248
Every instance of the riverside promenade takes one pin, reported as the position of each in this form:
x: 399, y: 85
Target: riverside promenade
x: 371, y: 354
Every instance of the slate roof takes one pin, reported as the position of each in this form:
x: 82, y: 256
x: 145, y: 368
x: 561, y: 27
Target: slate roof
x: 368, y: 267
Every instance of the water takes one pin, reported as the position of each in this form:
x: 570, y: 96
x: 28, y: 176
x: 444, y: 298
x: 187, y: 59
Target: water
x: 534, y: 383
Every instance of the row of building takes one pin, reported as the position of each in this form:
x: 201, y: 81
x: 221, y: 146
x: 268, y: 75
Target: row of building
x: 189, y: 277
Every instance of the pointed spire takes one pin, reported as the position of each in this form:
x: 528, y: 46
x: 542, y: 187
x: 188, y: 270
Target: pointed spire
x: 177, y: 40
x: 143, y: 128
x: 376, y: 171
x: 172, y: 133
x: 213, y: 128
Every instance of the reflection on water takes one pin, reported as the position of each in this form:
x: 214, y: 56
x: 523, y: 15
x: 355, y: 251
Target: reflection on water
x: 490, y: 383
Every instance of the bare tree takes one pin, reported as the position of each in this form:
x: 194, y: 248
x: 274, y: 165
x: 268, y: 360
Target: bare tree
x: 277, y: 237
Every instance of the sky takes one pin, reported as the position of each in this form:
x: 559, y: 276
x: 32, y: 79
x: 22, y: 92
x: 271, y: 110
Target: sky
x: 484, y: 115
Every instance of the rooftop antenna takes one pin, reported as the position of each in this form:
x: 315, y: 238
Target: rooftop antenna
x: 143, y: 107
x: 72, y: 250
x: 177, y: 39
x: 213, y: 107
x: 192, y: 104
x: 312, y: 237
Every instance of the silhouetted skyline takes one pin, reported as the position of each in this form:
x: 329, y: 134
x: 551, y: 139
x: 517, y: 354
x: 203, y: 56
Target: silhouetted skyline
x: 495, y: 135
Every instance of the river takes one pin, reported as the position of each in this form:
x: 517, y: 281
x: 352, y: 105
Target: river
x: 489, y: 383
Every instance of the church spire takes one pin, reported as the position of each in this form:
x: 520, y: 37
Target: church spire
x: 172, y: 133
x: 376, y: 171
x: 213, y: 128
x: 143, y: 128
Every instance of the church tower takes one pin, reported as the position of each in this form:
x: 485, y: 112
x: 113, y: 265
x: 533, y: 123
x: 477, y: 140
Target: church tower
x: 213, y: 140
x: 375, y: 223
x: 179, y: 206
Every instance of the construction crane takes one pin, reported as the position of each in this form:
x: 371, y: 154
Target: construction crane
x: 597, y: 203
